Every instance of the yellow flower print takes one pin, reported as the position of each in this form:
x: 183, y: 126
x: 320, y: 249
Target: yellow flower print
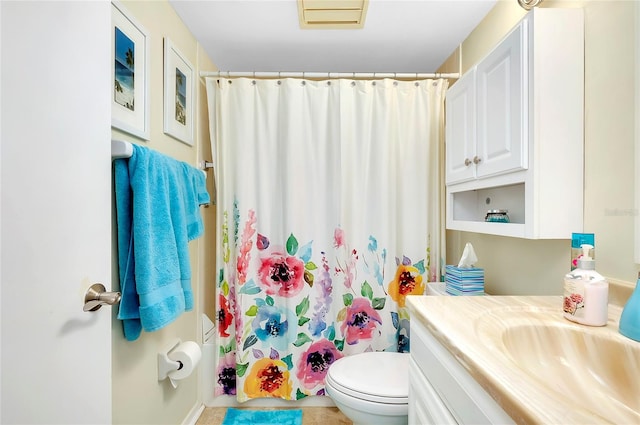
x: 408, y: 281
x: 268, y: 378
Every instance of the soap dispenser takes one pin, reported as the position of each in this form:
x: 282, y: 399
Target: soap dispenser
x: 586, y: 292
x: 630, y: 318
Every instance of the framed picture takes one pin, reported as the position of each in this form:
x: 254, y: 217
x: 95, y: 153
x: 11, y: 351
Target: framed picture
x: 130, y: 71
x: 178, y: 94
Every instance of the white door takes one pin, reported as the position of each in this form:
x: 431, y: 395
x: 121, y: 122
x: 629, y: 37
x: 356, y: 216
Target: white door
x: 56, y: 207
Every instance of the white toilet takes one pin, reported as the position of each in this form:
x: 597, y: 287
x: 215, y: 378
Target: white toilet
x: 371, y: 388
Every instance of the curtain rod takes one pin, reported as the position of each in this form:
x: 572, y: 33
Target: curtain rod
x: 329, y: 75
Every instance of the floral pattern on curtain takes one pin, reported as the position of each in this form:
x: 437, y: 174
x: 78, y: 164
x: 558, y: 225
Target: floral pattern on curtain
x: 324, y: 229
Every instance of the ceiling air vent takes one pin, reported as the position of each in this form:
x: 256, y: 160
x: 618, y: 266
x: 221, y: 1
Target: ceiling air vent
x: 332, y: 14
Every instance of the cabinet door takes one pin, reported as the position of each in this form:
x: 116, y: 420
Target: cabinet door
x: 425, y: 405
x: 501, y: 107
x: 460, y: 130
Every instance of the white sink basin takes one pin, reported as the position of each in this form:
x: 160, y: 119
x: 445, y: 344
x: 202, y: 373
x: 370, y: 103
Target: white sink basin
x: 592, y: 368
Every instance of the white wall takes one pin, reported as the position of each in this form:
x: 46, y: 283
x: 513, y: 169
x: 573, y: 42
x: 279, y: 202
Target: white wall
x: 138, y: 397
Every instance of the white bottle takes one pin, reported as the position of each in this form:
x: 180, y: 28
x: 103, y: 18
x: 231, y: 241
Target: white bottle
x: 586, y: 293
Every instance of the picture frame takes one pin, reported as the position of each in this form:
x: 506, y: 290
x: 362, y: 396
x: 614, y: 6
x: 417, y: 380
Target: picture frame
x: 130, y: 66
x: 178, y: 94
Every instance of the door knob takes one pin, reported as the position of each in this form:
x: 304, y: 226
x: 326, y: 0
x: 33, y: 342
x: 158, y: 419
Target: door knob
x: 476, y: 160
x: 97, y: 296
x: 467, y: 162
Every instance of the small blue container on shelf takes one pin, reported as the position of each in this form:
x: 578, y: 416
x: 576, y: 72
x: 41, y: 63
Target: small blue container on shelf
x: 497, y: 216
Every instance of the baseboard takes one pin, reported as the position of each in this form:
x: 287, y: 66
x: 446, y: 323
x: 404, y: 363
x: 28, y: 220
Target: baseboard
x: 231, y: 401
x: 193, y: 415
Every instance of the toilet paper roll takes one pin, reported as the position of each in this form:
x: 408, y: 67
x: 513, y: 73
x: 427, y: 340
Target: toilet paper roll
x: 188, y: 354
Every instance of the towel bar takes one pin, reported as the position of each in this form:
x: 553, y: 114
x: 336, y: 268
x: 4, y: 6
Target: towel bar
x: 122, y: 150
x: 206, y: 165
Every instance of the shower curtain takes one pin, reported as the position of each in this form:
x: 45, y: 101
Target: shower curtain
x: 329, y: 205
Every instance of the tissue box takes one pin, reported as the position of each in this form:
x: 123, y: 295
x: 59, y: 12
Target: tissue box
x: 464, y: 281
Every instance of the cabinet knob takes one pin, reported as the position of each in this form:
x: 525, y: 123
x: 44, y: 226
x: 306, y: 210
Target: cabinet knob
x: 467, y: 162
x: 476, y: 160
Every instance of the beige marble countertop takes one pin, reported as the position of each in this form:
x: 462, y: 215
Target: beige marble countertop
x: 471, y: 328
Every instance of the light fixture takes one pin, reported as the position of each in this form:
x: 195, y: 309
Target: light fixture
x: 332, y: 14
x: 529, y: 4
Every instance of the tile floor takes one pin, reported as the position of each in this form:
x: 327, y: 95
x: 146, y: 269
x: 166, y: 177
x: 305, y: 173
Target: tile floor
x: 310, y: 416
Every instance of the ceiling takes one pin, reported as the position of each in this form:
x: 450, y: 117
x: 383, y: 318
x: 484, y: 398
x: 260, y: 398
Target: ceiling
x: 264, y: 35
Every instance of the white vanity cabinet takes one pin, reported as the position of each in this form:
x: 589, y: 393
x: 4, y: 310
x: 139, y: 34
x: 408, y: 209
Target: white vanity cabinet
x: 441, y: 391
x: 514, y: 132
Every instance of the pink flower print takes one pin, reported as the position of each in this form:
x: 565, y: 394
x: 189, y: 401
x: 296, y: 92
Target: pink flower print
x: 360, y: 321
x: 338, y: 238
x: 572, y: 303
x: 350, y: 258
x: 281, y: 274
x: 350, y: 269
x: 239, y: 329
x: 245, y: 248
x: 314, y: 363
x: 576, y: 298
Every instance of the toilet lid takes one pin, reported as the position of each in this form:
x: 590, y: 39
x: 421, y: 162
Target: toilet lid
x: 376, y: 376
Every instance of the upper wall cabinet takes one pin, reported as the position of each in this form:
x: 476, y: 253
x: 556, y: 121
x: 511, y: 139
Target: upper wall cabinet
x: 485, y: 133
x: 514, y: 132
x: 460, y: 130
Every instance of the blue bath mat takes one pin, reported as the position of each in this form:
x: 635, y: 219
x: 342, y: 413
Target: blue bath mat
x: 262, y: 417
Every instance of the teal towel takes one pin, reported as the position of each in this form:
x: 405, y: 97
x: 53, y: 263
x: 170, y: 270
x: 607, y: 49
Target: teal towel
x: 158, y: 212
x: 262, y: 417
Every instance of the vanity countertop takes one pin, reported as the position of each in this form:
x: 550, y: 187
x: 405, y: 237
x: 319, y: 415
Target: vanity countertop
x: 472, y: 329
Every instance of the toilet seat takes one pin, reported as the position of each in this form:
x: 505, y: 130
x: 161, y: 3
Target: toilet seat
x: 380, y: 377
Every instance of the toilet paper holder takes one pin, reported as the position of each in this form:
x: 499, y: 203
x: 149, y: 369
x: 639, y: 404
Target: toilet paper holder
x: 165, y: 364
